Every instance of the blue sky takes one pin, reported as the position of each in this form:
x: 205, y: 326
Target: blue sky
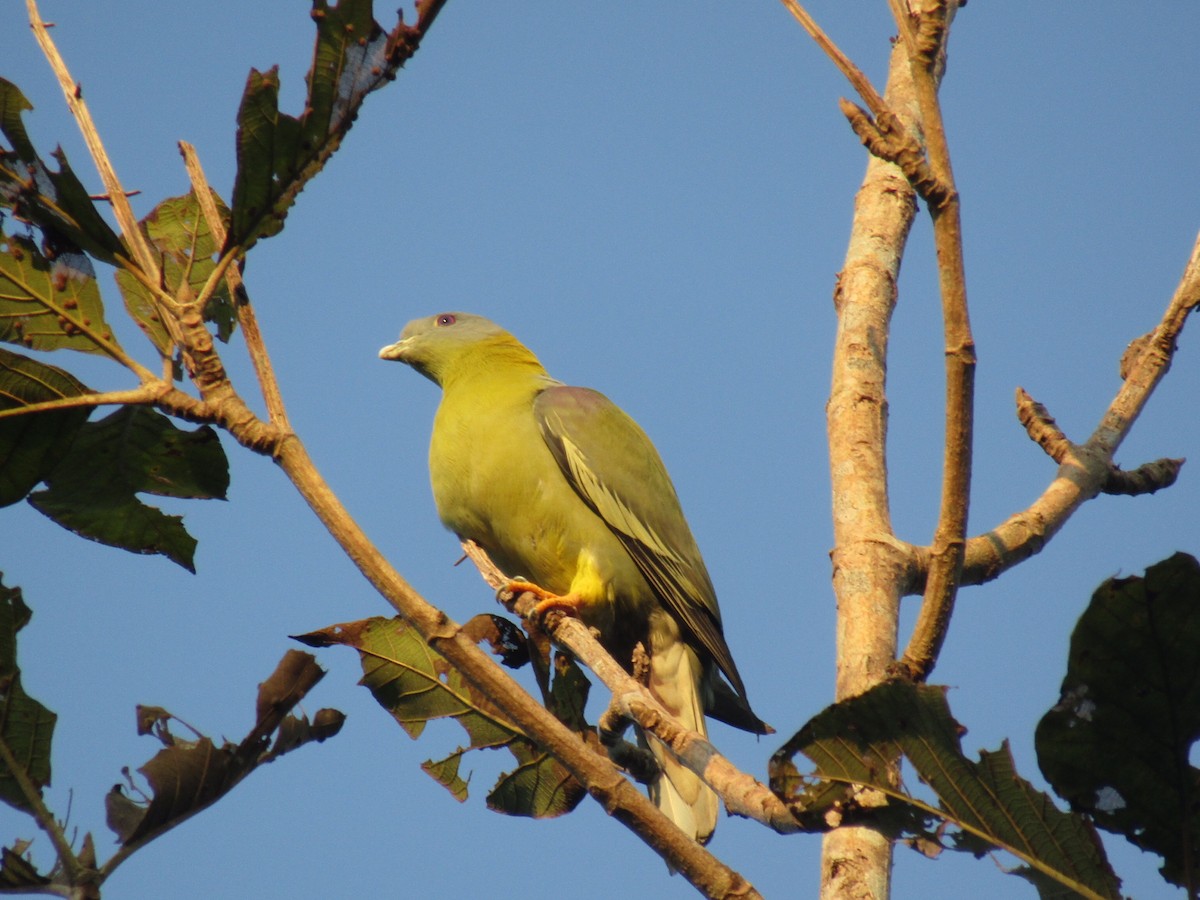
x: 656, y: 198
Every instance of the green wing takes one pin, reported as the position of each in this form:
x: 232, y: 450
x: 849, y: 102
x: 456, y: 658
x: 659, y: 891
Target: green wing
x: 616, y: 471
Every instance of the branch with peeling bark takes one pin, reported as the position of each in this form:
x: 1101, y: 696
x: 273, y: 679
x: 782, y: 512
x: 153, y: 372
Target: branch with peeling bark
x: 871, y: 567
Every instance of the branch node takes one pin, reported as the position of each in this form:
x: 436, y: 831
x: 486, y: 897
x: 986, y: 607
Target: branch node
x: 886, y: 137
x: 1133, y: 353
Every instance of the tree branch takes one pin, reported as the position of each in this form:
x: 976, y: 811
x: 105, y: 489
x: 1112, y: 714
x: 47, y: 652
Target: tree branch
x: 924, y: 47
x: 632, y: 700
x: 221, y: 405
x: 872, y: 569
x: 117, y: 196
x: 139, y: 396
x: 870, y: 566
x: 255, y: 346
x: 1087, y: 470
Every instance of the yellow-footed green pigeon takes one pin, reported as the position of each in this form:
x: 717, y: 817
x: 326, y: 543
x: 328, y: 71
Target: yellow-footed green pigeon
x: 562, y: 488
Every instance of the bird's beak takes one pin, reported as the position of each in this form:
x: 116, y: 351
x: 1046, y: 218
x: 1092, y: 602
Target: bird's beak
x: 395, y: 351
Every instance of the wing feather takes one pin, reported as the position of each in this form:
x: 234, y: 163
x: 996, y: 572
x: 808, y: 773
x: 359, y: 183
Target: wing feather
x: 612, y: 466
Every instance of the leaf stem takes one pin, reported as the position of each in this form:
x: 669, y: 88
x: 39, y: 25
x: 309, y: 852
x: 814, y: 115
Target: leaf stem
x: 146, y: 394
x: 255, y: 346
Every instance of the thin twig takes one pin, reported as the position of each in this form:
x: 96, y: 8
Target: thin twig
x: 255, y: 346
x: 1150, y: 364
x: 862, y: 85
x: 144, y: 266
x: 884, y: 135
x: 144, y: 395
x: 76, y: 871
x: 949, y: 539
x: 117, y: 195
x: 1042, y: 427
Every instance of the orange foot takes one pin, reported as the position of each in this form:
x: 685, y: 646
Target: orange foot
x: 567, y: 604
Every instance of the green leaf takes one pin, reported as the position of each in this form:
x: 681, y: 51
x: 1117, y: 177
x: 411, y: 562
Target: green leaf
x: 32, y: 445
x: 856, y: 742
x: 54, y: 201
x: 416, y: 685
x: 188, y: 775
x: 445, y: 773
x: 1117, y: 744
x: 538, y: 787
x: 50, y: 302
x: 179, y: 232
x: 26, y: 727
x: 277, y: 153
x: 92, y: 491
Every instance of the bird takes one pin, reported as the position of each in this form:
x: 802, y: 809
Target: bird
x: 562, y: 489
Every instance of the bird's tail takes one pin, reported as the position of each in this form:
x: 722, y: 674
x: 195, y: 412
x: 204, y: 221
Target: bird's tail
x: 675, y: 679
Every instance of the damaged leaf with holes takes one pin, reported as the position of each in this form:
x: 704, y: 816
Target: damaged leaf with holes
x: 1118, y: 743
x: 277, y: 154
x: 53, y: 201
x: 417, y: 686
x: 26, y: 727
x: 93, y: 489
x: 985, y: 804
x: 32, y: 445
x: 50, y: 302
x: 192, y: 772
x: 179, y: 232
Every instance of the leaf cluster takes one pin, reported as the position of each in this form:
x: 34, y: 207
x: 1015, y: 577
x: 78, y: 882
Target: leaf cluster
x: 416, y: 685
x: 176, y: 271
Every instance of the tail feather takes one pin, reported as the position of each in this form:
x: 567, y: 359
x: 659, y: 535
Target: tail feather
x: 675, y: 679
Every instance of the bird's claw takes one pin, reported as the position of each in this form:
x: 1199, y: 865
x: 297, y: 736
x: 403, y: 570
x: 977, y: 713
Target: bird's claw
x: 546, y: 601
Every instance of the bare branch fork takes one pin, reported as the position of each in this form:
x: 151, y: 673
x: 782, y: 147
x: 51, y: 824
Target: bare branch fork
x: 872, y: 567
x: 987, y: 555
x: 1087, y: 470
x: 220, y: 404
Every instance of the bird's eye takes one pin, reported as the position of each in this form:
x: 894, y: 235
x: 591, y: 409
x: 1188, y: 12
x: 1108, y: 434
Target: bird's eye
x: 446, y: 319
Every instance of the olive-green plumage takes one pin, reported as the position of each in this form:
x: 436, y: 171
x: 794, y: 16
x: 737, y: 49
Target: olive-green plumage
x: 559, y: 486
